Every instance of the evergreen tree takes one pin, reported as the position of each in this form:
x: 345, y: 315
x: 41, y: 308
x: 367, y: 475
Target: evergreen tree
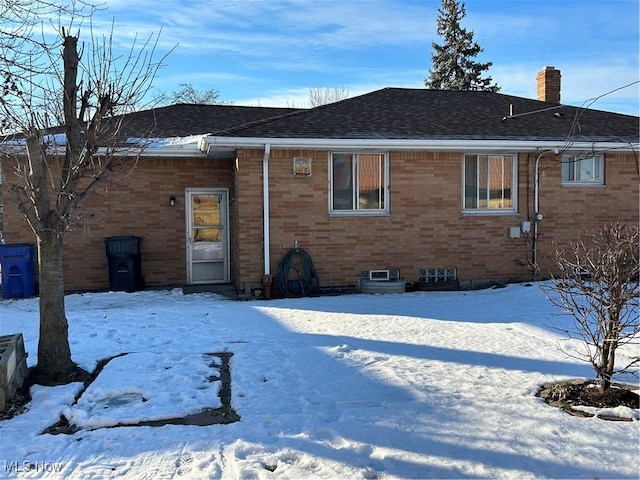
x: 453, y: 63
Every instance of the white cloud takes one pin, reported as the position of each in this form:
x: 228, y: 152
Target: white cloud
x: 580, y: 83
x: 272, y: 52
x: 260, y: 28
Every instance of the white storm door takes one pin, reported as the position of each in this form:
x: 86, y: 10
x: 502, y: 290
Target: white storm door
x: 207, y: 236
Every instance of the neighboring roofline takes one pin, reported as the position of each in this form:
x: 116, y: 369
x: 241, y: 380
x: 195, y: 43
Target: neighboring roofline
x: 208, y: 144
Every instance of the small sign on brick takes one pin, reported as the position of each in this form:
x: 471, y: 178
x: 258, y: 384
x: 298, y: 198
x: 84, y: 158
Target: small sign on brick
x: 13, y: 367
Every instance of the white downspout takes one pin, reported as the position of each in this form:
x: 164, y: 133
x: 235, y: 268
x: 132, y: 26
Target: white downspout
x: 265, y: 210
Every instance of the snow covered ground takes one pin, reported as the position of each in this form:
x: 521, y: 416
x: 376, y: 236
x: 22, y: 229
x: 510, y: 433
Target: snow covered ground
x: 413, y: 385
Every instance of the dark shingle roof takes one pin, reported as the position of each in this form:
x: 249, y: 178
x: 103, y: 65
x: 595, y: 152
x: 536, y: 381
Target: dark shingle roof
x: 182, y: 120
x: 398, y: 113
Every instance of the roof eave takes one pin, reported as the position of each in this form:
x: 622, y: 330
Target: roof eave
x: 209, y: 143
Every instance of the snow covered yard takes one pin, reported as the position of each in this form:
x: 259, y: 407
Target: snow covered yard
x: 414, y: 385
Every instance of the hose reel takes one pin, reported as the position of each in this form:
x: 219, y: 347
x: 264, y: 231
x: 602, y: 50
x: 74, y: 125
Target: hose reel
x: 296, y: 274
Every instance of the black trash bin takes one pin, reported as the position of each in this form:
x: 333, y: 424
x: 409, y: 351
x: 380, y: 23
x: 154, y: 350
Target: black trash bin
x: 18, y: 267
x: 125, y: 263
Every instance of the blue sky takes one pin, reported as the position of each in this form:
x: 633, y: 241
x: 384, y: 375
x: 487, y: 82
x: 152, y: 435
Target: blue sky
x: 271, y: 52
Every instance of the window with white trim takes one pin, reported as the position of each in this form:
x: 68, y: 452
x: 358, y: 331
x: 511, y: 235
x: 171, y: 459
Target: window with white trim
x: 489, y: 183
x: 582, y: 171
x: 359, y: 183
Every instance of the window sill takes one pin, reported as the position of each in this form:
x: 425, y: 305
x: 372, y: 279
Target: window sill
x: 359, y: 214
x: 489, y: 213
x: 582, y: 184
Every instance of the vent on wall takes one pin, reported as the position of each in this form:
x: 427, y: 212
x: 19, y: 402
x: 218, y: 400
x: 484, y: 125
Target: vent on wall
x: 435, y: 275
x: 380, y: 275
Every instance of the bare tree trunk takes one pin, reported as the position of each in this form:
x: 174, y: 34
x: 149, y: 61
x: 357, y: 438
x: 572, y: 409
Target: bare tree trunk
x: 54, y: 354
x: 609, y: 362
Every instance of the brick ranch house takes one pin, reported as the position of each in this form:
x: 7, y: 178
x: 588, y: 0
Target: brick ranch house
x: 467, y: 187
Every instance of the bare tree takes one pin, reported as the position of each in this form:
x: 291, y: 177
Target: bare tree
x: 596, y: 282
x: 22, y: 50
x: 322, y: 96
x: 66, y: 117
x: 189, y: 94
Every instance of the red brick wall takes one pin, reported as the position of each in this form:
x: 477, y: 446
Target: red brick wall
x: 138, y: 205
x: 426, y: 228
x: 247, y: 241
x: 570, y: 210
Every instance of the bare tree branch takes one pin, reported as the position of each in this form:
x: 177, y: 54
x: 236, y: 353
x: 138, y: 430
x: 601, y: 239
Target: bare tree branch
x: 77, y: 100
x: 323, y: 96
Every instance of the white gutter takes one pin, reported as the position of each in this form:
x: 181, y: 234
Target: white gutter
x: 209, y: 142
x: 265, y: 209
x: 135, y: 147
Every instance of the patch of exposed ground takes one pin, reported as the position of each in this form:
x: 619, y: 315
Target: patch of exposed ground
x: 18, y: 404
x: 585, y: 393
x: 207, y: 416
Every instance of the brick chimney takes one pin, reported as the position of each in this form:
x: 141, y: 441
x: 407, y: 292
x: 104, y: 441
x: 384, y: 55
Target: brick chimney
x: 549, y: 85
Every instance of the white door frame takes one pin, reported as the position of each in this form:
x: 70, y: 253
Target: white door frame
x: 224, y: 218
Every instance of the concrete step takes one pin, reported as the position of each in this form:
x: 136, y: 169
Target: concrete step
x: 13, y: 367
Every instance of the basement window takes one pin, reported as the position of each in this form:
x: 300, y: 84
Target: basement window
x: 437, y: 275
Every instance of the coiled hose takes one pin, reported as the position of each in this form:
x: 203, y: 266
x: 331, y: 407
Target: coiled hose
x: 296, y: 274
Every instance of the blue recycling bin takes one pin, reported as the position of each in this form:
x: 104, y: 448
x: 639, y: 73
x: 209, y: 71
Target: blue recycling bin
x: 17, y: 261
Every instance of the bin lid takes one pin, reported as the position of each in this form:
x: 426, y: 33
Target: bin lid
x: 121, y: 237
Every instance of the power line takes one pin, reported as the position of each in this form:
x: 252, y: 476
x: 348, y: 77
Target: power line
x: 590, y: 102
x: 595, y: 99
